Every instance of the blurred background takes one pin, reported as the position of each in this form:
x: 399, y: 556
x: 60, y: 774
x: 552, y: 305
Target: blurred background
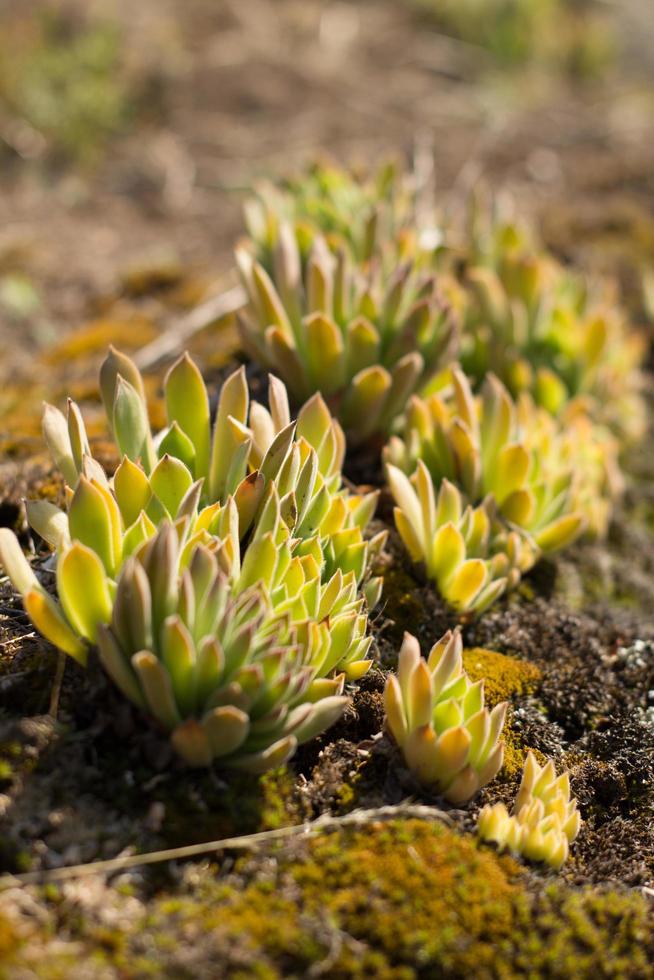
x: 129, y: 133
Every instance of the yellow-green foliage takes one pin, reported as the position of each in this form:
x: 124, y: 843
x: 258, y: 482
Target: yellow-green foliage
x: 542, y: 327
x: 502, y: 676
x: 396, y: 901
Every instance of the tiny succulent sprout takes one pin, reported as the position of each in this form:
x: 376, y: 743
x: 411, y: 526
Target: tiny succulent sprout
x: 436, y: 715
x: 366, y: 337
x: 210, y: 666
x: 544, y: 822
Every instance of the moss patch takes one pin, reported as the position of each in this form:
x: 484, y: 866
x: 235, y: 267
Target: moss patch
x: 503, y: 676
x: 397, y: 901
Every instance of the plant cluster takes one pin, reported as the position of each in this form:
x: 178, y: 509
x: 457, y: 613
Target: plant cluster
x: 365, y: 335
x: 436, y: 715
x: 488, y: 480
x: 465, y: 550
x: 542, y: 328
x: 518, y: 470
x: 223, y: 571
x: 544, y: 822
x: 261, y: 495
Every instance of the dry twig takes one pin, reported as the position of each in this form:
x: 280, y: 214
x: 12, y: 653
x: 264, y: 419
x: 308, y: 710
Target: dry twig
x: 356, y: 818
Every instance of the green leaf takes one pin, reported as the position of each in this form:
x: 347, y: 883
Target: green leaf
x: 55, y: 433
x: 170, y: 481
x: 131, y: 425
x: 191, y: 742
x: 561, y: 532
x: 323, y: 715
x: 83, y: 590
x: 365, y: 399
x: 467, y: 582
x: 271, y: 758
x: 325, y: 353
x: 176, y: 443
x: 49, y: 521
x: 187, y: 403
x: 234, y: 402
x: 132, y: 489
x: 79, y: 442
x: 116, y: 364
x: 258, y: 563
x: 157, y: 689
x: 15, y: 563
x: 90, y: 522
x: 118, y: 668
x: 227, y: 727
x: 363, y: 345
x: 448, y: 553
x: 178, y: 656
x: 48, y: 619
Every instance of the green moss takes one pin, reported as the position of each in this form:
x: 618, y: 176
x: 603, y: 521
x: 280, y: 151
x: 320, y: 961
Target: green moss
x: 503, y: 676
x: 10, y: 942
x: 397, y: 901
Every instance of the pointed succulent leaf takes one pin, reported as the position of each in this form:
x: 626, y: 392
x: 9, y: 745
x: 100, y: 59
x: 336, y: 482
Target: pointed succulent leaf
x: 83, y: 590
x: 170, y: 480
x: 55, y: 433
x: 49, y: 620
x: 187, y: 403
x: 15, y: 563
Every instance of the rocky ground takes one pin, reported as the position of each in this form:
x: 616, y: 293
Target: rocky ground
x: 118, y: 250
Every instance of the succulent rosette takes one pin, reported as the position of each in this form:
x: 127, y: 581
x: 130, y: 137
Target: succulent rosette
x: 436, y: 715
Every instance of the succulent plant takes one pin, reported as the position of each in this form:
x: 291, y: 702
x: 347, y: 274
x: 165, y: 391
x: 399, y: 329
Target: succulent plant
x: 288, y: 525
x: 466, y: 551
x: 193, y: 467
x: 305, y: 585
x: 544, y: 822
x: 359, y: 210
x: 211, y: 667
x: 542, y: 328
x: 515, y: 452
x: 365, y: 337
x: 436, y: 715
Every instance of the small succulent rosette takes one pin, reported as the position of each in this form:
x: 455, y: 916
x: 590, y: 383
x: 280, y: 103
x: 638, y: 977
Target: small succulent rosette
x: 544, y: 821
x: 436, y: 715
